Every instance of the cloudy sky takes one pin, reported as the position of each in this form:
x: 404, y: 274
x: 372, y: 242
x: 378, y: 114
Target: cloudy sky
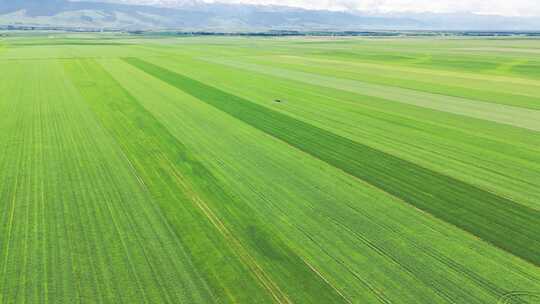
x: 499, y: 7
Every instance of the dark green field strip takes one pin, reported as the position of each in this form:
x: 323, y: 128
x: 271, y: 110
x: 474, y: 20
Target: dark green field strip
x: 501, y: 159
x: 449, y: 139
x: 236, y: 254
x: 497, y: 220
x: 446, y: 129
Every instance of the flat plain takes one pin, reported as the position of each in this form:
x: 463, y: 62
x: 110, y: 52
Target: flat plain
x: 269, y: 170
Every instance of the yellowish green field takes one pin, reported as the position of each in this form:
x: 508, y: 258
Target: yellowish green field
x: 290, y: 170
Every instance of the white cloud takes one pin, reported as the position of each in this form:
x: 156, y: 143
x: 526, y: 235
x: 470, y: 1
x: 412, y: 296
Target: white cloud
x: 499, y: 7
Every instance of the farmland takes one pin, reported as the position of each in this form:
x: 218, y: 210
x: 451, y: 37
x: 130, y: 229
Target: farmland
x: 269, y: 170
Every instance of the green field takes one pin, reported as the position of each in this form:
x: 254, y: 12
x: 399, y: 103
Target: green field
x: 269, y: 170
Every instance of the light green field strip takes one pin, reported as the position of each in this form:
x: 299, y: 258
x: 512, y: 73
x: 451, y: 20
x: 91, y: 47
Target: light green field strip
x: 14, y: 52
x: 496, y: 82
x: 502, y: 49
x: 316, y: 198
x: 436, y: 55
x: 443, y: 59
x: 78, y: 226
x: 489, y: 91
x: 70, y: 49
x: 524, y: 118
x: 444, y: 142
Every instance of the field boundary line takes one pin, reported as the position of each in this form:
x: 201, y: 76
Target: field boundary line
x: 317, y: 272
x: 278, y: 295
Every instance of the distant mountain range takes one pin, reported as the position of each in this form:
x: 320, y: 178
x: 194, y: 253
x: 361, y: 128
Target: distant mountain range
x: 194, y: 15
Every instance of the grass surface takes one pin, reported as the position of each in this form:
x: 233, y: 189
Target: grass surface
x: 164, y: 171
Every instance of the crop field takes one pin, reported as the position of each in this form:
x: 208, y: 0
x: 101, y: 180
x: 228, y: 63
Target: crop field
x: 269, y: 170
